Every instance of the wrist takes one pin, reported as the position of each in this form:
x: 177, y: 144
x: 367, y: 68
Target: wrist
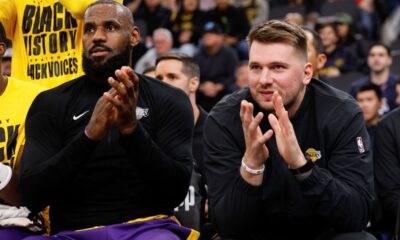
x: 253, y: 170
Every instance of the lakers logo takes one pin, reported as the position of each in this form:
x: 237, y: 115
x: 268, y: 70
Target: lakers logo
x: 312, y: 154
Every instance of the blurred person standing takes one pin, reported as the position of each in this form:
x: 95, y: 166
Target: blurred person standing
x: 6, y: 62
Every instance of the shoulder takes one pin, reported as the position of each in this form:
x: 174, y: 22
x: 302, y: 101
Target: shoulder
x: 392, y: 118
x: 329, y: 100
x: 229, y: 107
x: 162, y: 95
x: 52, y: 98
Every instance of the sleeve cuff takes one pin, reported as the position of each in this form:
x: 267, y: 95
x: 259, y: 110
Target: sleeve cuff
x: 317, y: 180
x: 247, y: 187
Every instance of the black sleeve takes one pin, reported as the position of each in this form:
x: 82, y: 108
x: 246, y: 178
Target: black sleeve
x: 343, y: 193
x: 234, y: 203
x: 387, y: 163
x: 166, y: 158
x: 46, y: 164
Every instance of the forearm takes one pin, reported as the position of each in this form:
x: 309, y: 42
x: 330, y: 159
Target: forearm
x: 162, y: 170
x: 345, y: 205
x: 45, y: 172
x: 236, y: 210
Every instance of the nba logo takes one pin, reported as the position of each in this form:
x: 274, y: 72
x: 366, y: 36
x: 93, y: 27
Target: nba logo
x: 360, y: 145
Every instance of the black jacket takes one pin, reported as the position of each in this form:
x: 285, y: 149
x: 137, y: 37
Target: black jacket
x: 330, y: 130
x: 89, y: 183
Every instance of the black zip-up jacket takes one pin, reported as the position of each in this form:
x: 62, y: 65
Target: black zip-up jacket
x: 337, y: 195
x: 387, y: 164
x: 88, y: 183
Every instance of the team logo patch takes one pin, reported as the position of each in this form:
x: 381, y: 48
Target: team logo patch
x: 141, y: 112
x: 360, y: 145
x: 313, y: 154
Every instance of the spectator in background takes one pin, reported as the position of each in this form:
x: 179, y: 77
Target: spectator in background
x: 241, y: 76
x: 351, y: 40
x: 150, y: 72
x: 315, y: 51
x: 6, y: 62
x: 379, y: 62
x: 339, y: 60
x: 179, y: 70
x: 46, y: 38
x: 163, y: 42
x: 150, y: 15
x: 369, y: 97
x: 234, y: 23
x: 257, y: 11
x: 294, y: 17
x: 217, y: 64
x: 187, y: 25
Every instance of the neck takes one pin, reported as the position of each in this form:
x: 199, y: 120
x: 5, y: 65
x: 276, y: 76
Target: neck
x: 372, y: 122
x: 330, y: 48
x: 297, y: 102
x: 213, y: 49
x: 380, y: 77
x: 196, y: 110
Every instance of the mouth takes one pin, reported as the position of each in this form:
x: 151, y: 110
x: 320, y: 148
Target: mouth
x: 266, y: 94
x: 99, y: 52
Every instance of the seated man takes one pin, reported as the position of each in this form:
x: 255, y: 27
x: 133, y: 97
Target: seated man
x: 314, y: 177
x: 15, y: 222
x: 110, y: 162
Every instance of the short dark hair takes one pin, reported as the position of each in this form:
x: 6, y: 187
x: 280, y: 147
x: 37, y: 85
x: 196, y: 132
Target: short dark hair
x: 316, y: 41
x: 112, y: 2
x: 388, y: 50
x: 370, y: 87
x: 278, y: 31
x: 3, y: 36
x: 189, y: 67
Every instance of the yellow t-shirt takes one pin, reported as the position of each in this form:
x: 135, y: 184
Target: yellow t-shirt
x: 46, y: 37
x: 14, y: 105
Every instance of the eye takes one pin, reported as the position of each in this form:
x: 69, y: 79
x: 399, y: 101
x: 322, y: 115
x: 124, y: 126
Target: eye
x: 111, y: 27
x: 278, y: 67
x: 255, y: 67
x: 88, y: 29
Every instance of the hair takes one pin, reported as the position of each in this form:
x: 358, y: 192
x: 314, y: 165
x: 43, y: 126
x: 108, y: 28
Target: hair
x: 388, y: 50
x: 278, y: 31
x: 3, y: 37
x: 316, y: 41
x: 167, y: 33
x: 149, y: 69
x: 124, y: 9
x: 189, y: 67
x: 371, y: 87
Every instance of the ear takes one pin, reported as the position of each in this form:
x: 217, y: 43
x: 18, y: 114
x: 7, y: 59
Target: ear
x: 135, y: 36
x: 3, y: 48
x: 194, y: 83
x: 321, y: 60
x: 308, y: 73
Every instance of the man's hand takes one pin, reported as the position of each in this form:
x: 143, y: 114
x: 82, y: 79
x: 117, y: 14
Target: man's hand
x: 125, y: 100
x: 256, y: 150
x: 101, y: 120
x: 286, y: 140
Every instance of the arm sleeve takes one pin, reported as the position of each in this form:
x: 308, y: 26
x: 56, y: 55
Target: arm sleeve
x: 8, y: 16
x: 233, y: 202
x: 47, y: 164
x: 387, y: 165
x: 343, y: 193
x: 166, y: 157
x: 78, y: 8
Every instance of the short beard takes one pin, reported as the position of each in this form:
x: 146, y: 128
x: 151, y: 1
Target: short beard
x: 101, y: 72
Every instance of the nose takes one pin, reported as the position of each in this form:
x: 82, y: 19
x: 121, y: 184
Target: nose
x: 99, y: 35
x: 265, y: 77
